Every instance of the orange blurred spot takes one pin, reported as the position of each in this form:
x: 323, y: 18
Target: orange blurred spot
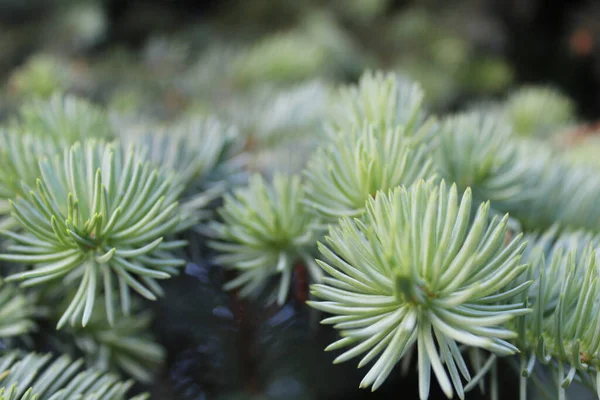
x: 581, y: 42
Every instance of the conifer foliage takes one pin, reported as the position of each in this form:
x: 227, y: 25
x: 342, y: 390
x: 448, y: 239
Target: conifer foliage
x: 430, y: 241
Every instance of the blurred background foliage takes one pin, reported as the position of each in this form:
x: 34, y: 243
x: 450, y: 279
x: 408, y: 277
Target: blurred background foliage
x: 124, y: 51
x: 269, y: 66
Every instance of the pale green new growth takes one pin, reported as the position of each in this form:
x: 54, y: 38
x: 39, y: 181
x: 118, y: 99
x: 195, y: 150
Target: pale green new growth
x: 378, y: 139
x: 98, y: 213
x: 342, y: 176
x: 267, y: 229
x: 414, y: 270
x: 384, y: 101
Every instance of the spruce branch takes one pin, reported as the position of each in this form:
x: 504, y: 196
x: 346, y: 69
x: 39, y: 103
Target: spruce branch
x: 126, y: 346
x: 197, y: 150
x: 563, y: 331
x: 32, y: 376
x: 98, y: 213
x: 17, y: 312
x: 476, y: 150
x: 527, y: 178
x: 384, y: 101
x: 64, y: 118
x: 204, y: 155
x: 343, y: 175
x: 19, y: 157
x: 13, y: 394
x: 266, y: 230
x: 559, y: 193
x: 576, y: 189
x: 416, y: 271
